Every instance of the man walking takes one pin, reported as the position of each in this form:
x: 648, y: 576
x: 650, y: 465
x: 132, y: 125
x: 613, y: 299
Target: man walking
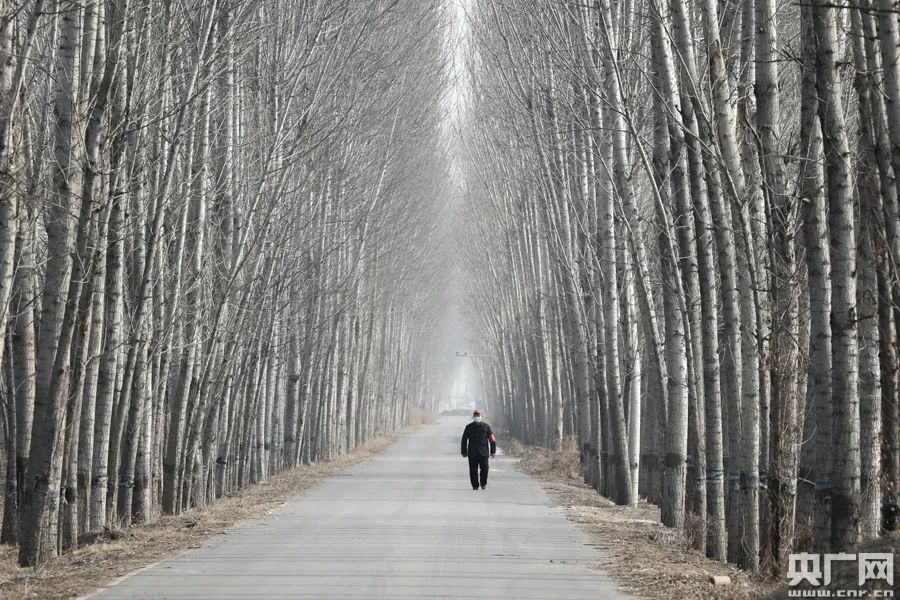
x: 478, y: 442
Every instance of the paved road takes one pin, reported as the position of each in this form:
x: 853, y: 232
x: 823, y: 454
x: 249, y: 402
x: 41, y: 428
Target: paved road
x: 405, y: 524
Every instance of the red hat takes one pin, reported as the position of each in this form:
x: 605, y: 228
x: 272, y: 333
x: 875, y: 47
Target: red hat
x: 477, y: 413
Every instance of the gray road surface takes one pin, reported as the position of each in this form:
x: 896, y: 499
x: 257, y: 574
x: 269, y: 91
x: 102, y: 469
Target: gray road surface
x: 405, y: 524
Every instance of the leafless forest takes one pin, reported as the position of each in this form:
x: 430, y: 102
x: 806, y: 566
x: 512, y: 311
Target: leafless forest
x: 214, y: 246
x: 238, y: 235
x: 683, y: 249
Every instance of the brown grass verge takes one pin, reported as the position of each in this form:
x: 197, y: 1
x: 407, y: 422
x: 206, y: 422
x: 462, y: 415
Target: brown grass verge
x: 645, y: 558
x: 119, y: 553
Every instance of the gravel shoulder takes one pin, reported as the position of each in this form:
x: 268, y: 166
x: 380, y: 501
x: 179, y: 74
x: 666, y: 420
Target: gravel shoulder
x: 646, y: 559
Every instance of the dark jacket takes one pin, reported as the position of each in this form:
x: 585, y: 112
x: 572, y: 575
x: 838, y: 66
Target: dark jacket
x: 476, y: 438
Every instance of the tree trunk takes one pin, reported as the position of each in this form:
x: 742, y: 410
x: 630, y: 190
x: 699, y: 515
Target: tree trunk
x: 40, y: 510
x: 845, y: 497
x: 813, y: 210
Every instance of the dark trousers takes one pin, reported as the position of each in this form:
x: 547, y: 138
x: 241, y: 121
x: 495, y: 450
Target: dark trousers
x: 474, y: 463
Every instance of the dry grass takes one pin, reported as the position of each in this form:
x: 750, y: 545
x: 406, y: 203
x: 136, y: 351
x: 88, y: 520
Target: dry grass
x: 645, y: 558
x: 118, y: 553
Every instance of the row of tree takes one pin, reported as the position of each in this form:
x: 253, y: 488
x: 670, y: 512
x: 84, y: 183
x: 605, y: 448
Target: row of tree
x: 685, y: 253
x: 215, y: 253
